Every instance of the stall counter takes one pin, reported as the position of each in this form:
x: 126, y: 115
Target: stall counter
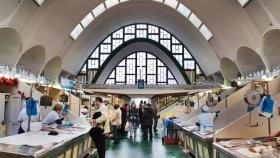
x: 241, y: 151
x: 70, y: 143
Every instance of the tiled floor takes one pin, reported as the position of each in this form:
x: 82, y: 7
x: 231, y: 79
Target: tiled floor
x: 140, y: 148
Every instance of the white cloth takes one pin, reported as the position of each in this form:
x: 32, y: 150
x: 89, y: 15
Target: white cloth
x: 51, y: 118
x: 115, y: 117
x: 22, y: 117
x: 104, y: 112
x: 103, y: 121
x: 84, y: 113
x: 120, y: 119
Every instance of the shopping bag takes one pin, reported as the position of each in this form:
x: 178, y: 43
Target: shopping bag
x: 126, y: 127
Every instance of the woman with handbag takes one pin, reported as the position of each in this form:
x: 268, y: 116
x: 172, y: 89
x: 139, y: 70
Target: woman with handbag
x: 133, y: 119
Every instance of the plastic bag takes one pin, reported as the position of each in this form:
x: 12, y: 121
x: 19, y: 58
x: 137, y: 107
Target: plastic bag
x: 126, y: 127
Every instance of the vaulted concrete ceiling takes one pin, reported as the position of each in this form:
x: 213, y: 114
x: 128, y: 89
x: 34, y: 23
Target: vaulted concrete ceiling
x: 50, y: 25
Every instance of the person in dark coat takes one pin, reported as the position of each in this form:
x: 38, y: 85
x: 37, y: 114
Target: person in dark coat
x: 148, y: 117
x: 141, y: 111
x: 124, y: 110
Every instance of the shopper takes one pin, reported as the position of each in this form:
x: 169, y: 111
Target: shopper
x: 156, y: 116
x: 141, y: 111
x: 133, y: 117
x: 124, y: 110
x: 148, y: 116
x: 116, y: 116
x: 99, y: 128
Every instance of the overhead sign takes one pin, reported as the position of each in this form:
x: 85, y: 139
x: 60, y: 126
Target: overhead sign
x: 140, y: 84
x: 67, y: 84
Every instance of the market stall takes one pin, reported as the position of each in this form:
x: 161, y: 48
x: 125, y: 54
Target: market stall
x: 69, y: 141
x: 202, y: 141
x: 246, y: 137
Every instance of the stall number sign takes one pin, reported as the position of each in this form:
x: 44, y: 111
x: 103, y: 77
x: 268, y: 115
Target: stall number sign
x: 140, y: 84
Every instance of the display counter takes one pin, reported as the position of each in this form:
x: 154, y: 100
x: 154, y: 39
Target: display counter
x: 241, y: 149
x: 69, y: 143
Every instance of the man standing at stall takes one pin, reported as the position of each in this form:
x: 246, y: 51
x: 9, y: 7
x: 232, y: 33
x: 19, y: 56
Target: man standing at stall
x: 99, y: 129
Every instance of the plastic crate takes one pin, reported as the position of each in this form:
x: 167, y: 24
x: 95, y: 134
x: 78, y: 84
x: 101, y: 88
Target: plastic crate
x: 169, y: 140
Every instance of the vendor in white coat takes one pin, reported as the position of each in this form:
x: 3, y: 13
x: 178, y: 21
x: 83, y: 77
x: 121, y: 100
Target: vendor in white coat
x: 23, y: 118
x: 54, y: 117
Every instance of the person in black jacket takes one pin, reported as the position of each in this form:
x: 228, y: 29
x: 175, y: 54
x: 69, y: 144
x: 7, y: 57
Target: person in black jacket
x: 141, y: 111
x: 124, y: 110
x: 148, y: 117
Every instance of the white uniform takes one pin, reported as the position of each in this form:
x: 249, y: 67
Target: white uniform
x: 51, y: 118
x: 24, y: 117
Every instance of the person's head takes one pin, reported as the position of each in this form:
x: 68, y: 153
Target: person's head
x: 145, y: 103
x: 58, y: 108
x: 148, y: 105
x: 141, y: 102
x: 98, y: 101
x: 86, y: 107
x: 116, y: 106
x: 133, y: 105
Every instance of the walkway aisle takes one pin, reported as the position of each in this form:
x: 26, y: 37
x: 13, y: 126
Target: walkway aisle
x: 139, y: 148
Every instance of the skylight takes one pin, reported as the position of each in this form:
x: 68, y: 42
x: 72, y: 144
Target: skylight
x: 123, y: 1
x: 99, y: 10
x: 205, y: 32
x: 160, y: 1
x: 243, y: 2
x: 39, y: 2
x: 184, y: 10
x: 77, y: 31
x: 195, y: 20
x: 87, y: 20
x: 171, y: 3
x: 180, y: 8
x: 111, y: 3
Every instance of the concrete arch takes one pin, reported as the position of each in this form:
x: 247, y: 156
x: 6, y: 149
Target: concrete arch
x: 130, y: 13
x: 33, y: 59
x: 10, y: 46
x: 271, y: 46
x: 7, y: 7
x: 133, y: 47
x: 229, y: 69
x: 52, y: 69
x: 249, y: 61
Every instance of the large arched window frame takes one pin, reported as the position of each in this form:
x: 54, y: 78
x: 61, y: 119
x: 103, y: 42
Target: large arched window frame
x: 141, y: 65
x: 138, y: 31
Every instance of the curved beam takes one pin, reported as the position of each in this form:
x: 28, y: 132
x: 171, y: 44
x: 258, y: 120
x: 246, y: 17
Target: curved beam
x: 33, y: 59
x: 145, y: 45
x: 229, y: 69
x: 10, y: 46
x: 271, y: 47
x: 131, y: 13
x: 249, y: 61
x: 52, y: 69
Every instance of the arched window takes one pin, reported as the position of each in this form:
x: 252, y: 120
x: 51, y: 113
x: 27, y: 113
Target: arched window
x: 141, y: 65
x: 138, y: 31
